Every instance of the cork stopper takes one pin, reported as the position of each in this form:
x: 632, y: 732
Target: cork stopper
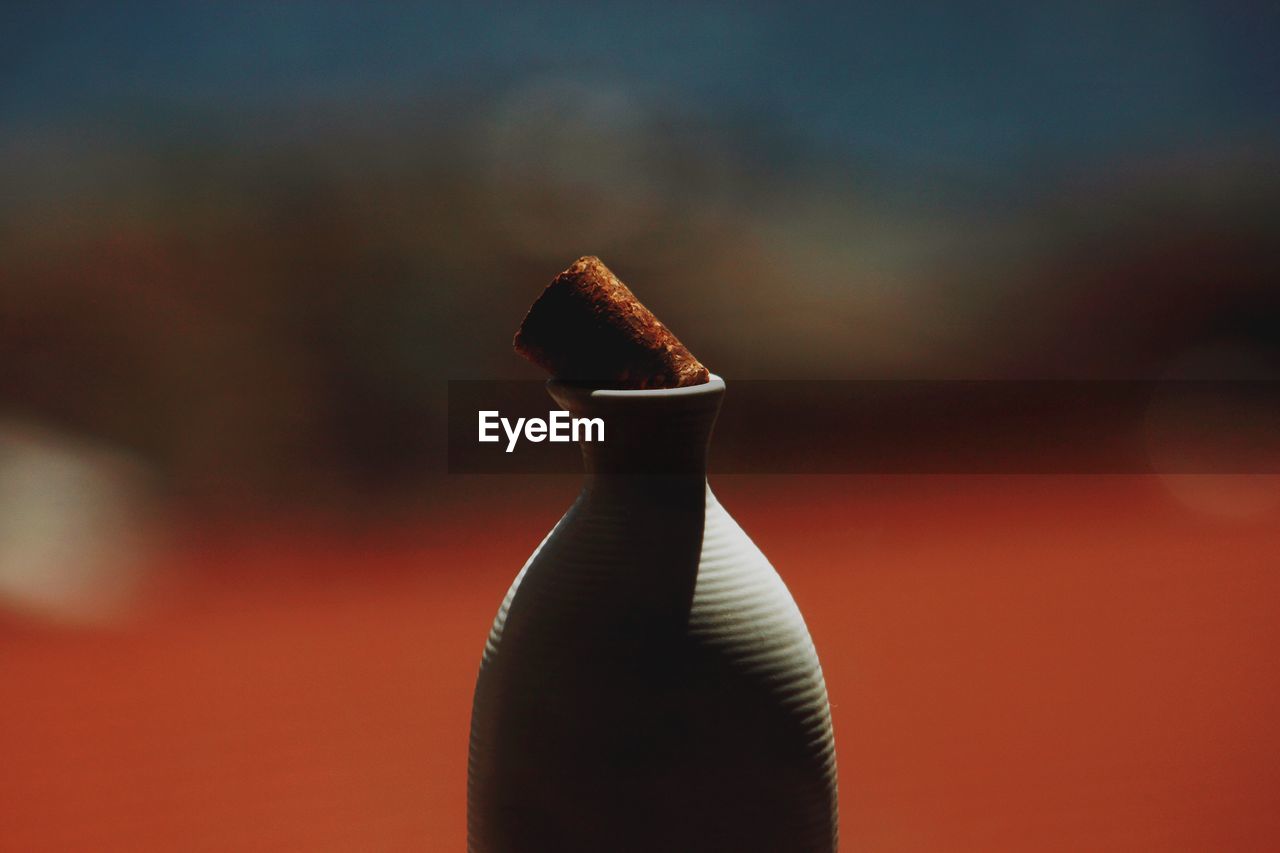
x: 588, y: 327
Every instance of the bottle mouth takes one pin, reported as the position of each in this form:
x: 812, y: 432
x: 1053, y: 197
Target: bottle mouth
x: 578, y: 391
x: 649, y: 431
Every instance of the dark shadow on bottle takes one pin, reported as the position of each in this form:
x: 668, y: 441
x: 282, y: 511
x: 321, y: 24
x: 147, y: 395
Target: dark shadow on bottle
x: 619, y: 728
x: 610, y: 717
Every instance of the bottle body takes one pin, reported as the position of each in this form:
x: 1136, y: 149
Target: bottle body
x: 649, y: 684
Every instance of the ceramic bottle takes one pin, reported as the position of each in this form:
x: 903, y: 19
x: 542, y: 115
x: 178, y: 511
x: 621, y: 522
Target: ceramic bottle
x: 649, y: 684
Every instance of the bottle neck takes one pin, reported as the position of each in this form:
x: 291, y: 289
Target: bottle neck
x: 653, y: 441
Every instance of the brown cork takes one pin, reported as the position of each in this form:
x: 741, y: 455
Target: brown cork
x: 588, y: 327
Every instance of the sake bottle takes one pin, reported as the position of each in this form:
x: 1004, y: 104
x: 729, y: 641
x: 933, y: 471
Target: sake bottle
x: 649, y: 683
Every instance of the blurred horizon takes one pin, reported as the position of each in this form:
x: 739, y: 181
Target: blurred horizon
x: 249, y: 243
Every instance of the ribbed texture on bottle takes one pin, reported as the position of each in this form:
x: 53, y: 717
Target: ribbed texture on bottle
x: 649, y: 685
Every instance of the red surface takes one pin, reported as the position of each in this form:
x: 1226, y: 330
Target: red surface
x: 1016, y: 664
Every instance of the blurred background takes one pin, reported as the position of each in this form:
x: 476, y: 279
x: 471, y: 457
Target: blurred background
x: 244, y: 246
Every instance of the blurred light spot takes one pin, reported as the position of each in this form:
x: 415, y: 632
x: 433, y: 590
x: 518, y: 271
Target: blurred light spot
x: 73, y: 526
x: 572, y: 168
